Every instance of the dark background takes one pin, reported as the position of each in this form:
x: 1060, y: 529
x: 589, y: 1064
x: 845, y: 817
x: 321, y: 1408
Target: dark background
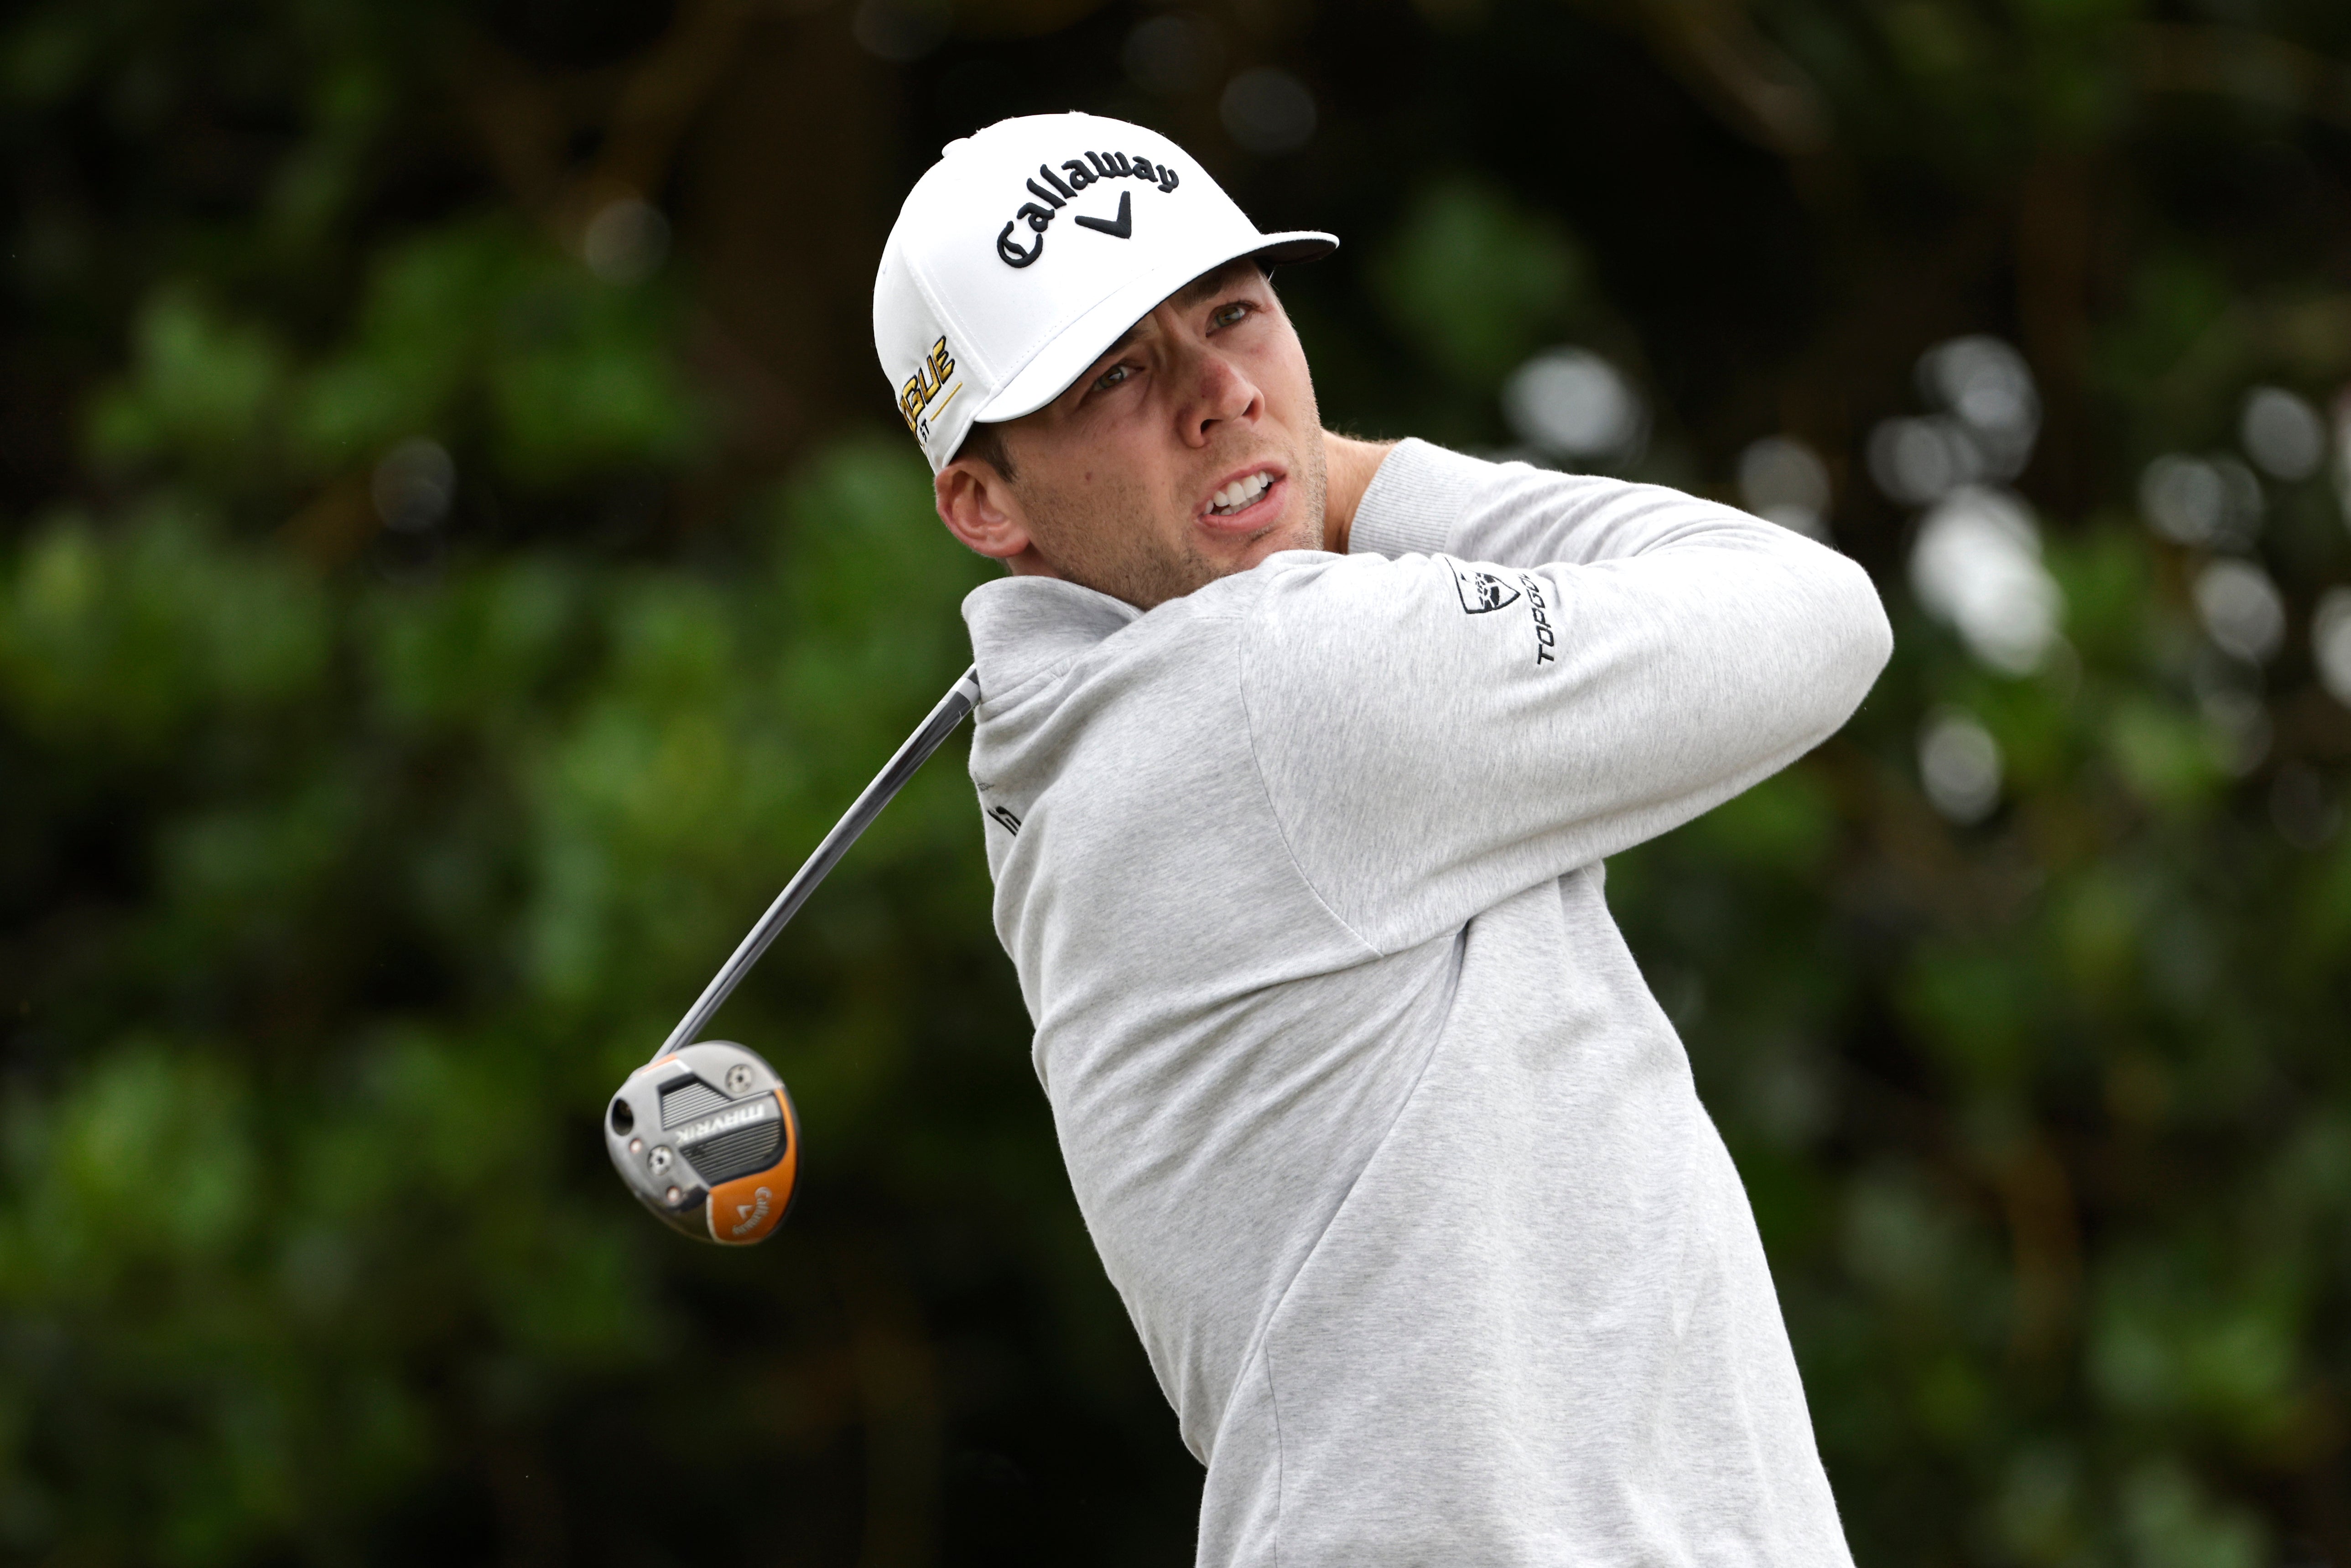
x: 371, y: 807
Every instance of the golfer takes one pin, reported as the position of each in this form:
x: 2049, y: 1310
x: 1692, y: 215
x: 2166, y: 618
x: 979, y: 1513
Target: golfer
x: 1299, y: 759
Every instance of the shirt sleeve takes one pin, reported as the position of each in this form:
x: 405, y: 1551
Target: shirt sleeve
x: 1547, y: 670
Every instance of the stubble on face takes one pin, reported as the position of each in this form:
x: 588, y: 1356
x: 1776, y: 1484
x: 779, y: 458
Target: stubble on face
x: 1082, y: 534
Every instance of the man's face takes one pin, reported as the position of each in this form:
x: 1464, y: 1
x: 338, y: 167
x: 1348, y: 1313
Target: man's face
x: 1190, y: 450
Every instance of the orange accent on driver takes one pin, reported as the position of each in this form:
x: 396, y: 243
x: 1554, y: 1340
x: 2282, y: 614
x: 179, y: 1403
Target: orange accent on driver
x: 748, y: 1208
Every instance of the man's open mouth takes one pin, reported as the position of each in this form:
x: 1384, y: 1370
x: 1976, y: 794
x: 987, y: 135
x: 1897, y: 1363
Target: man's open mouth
x: 1240, y: 495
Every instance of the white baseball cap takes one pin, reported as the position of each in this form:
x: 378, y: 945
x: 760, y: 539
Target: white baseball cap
x: 1026, y: 251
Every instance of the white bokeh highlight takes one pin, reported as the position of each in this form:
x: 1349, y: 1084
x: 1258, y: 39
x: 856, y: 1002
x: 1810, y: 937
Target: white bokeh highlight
x: 2205, y: 503
x: 2330, y: 643
x: 1987, y: 416
x: 1986, y: 385
x: 1958, y: 765
x: 1568, y: 403
x: 1977, y: 568
x: 2241, y: 610
x: 1784, y: 481
x: 2281, y: 434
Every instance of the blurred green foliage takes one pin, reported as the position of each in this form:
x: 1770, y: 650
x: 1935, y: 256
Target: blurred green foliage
x: 1527, y: 281
x: 423, y: 652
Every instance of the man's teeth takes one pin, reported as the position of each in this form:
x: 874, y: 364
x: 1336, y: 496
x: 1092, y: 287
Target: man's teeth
x: 1240, y: 492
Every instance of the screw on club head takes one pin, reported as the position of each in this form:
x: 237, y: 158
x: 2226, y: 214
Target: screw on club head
x: 636, y: 1145
x: 672, y: 1194
x: 738, y: 1079
x: 660, y: 1158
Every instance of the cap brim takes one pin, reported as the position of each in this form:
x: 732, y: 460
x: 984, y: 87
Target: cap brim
x: 1080, y: 343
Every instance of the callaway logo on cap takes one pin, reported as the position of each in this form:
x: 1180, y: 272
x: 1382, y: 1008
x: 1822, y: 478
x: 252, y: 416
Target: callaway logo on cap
x: 1027, y: 250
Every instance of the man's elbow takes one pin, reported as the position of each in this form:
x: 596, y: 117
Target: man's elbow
x: 1861, y: 639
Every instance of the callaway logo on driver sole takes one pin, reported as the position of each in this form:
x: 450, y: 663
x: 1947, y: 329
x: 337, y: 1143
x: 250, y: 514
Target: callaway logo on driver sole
x: 751, y: 1213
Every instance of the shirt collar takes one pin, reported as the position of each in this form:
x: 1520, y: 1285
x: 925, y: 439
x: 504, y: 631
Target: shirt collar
x: 1023, y: 626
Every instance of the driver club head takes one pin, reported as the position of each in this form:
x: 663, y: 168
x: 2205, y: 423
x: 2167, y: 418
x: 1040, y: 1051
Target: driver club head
x: 707, y: 1139
x: 704, y: 1134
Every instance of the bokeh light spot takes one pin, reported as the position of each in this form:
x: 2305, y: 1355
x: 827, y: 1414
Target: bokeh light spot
x: 2330, y: 643
x: 626, y: 241
x: 1569, y: 403
x: 1782, y: 479
x: 2281, y: 434
x: 2241, y: 610
x: 1958, y: 765
x: 1976, y: 567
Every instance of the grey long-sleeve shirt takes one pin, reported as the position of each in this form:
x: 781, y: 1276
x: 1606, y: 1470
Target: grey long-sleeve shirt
x: 1394, y: 1160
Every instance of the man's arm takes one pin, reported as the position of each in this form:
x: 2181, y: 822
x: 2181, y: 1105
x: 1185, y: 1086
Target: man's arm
x: 1587, y: 663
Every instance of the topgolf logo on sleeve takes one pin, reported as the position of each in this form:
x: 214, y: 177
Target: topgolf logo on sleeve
x: 1481, y: 591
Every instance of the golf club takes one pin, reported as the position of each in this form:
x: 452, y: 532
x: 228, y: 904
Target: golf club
x: 705, y: 1133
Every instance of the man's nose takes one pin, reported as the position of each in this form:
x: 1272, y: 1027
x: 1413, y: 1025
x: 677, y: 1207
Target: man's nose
x: 1221, y: 391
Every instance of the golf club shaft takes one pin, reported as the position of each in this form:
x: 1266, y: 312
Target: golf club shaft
x: 961, y: 698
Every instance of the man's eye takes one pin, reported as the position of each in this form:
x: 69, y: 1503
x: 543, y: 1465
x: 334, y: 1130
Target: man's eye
x: 1226, y: 315
x: 1111, y: 377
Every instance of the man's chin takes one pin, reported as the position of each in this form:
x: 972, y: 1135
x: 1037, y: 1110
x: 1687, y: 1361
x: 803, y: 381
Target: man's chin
x: 1149, y: 578
x: 1286, y: 535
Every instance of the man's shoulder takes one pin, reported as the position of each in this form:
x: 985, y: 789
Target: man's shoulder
x: 1050, y: 653
x: 1040, y: 644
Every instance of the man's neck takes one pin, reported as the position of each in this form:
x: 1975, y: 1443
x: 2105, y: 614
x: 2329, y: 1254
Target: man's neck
x: 1348, y: 468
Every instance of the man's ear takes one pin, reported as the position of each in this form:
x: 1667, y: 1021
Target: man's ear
x: 979, y: 508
